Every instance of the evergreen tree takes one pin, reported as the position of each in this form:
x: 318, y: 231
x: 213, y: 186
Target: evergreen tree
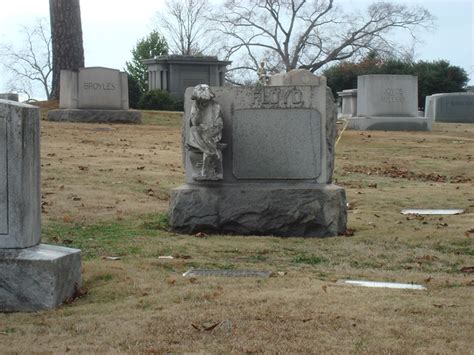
x: 150, y: 46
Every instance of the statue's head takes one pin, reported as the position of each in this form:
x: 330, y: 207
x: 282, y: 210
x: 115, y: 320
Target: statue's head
x: 202, y: 92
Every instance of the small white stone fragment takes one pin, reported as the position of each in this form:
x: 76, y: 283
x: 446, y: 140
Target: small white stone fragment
x: 447, y: 211
x: 382, y: 284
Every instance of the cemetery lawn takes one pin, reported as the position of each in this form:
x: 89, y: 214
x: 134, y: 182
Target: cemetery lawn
x: 105, y: 190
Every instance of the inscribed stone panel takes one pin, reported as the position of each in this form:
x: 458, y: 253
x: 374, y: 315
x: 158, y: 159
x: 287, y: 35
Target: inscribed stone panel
x: 100, y: 88
x: 3, y: 177
x: 276, y: 144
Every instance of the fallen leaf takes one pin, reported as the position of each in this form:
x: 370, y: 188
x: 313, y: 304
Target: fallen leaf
x: 212, y: 326
x: 325, y: 288
x: 467, y: 269
x: 349, y: 232
x: 200, y: 235
x: 140, y: 167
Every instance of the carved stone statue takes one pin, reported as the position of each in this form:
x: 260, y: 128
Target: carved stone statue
x: 262, y: 75
x: 205, y: 132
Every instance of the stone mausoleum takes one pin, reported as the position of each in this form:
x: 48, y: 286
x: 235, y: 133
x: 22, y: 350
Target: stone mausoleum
x: 175, y: 73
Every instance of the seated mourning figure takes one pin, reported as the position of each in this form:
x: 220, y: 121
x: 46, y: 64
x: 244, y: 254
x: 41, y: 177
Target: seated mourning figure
x: 205, y: 132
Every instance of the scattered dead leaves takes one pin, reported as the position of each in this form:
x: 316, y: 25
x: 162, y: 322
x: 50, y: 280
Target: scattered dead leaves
x: 467, y: 269
x: 395, y: 172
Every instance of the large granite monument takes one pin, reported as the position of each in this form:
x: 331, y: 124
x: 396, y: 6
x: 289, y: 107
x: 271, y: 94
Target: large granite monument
x: 272, y: 152
x: 33, y: 276
x: 94, y: 94
x: 455, y: 107
x: 389, y: 103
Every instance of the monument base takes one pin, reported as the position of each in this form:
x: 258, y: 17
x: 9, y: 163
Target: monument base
x: 95, y: 116
x: 389, y: 123
x: 36, y: 278
x: 467, y: 119
x: 299, y: 210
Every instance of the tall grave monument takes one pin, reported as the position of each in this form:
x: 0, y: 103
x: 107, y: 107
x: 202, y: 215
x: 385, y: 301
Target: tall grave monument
x: 33, y: 276
x: 454, y: 107
x: 259, y: 160
x: 94, y: 94
x: 389, y: 103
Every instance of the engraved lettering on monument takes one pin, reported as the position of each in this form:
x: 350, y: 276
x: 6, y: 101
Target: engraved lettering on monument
x: 3, y: 177
x: 99, y: 88
x: 393, y: 95
x: 276, y: 144
x: 204, y: 135
x: 276, y: 97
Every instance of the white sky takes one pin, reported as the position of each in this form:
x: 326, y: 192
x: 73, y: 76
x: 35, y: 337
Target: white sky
x: 111, y: 28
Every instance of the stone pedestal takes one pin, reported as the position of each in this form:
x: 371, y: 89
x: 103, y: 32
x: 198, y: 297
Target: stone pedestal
x: 349, y: 103
x: 39, y: 277
x: 305, y: 210
x: 33, y: 276
x: 389, y: 123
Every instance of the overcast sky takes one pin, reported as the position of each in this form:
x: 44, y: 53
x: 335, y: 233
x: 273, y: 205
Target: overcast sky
x: 111, y: 28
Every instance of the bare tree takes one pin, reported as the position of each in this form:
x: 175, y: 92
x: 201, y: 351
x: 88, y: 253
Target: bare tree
x: 66, y: 34
x: 185, y: 26
x: 30, y: 65
x: 289, y: 34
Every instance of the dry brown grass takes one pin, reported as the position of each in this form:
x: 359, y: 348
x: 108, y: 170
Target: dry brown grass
x: 98, y: 197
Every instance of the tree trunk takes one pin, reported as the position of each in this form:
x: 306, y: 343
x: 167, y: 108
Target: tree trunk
x: 66, y: 36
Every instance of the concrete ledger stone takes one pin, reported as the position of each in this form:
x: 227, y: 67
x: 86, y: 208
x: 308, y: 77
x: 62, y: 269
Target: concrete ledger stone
x: 39, y: 277
x: 300, y: 209
x: 95, y: 116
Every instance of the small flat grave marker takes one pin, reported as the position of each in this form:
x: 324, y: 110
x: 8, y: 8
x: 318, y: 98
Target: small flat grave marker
x: 382, y: 284
x: 448, y: 211
x: 226, y: 273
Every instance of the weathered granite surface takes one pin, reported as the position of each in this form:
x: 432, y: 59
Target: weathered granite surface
x: 389, y: 123
x: 388, y: 103
x: 32, y: 276
x: 95, y: 116
x: 9, y: 96
x: 278, y: 163
x: 94, y: 88
x: 37, y: 278
x: 455, y: 107
x: 20, y: 214
x: 307, y: 210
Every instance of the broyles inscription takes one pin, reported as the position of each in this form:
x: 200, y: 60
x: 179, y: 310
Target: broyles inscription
x: 99, y: 86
